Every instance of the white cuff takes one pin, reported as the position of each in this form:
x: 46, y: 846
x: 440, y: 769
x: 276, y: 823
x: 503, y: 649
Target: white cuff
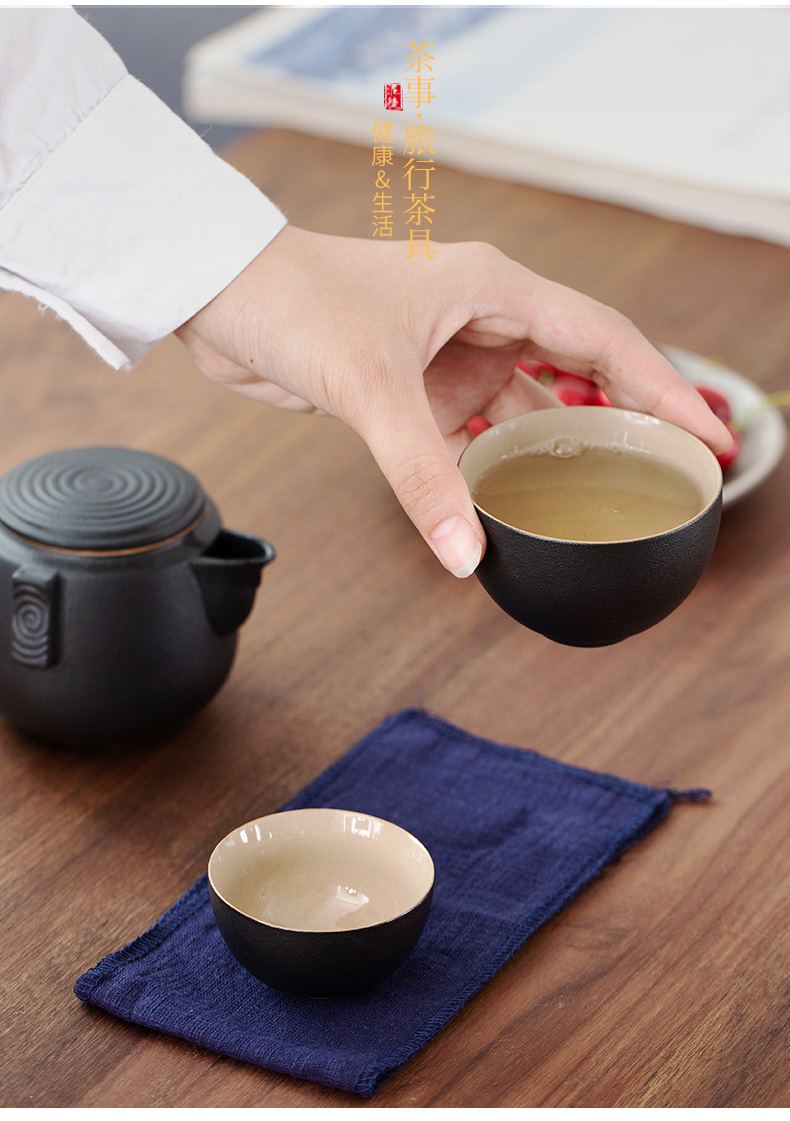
x: 131, y: 226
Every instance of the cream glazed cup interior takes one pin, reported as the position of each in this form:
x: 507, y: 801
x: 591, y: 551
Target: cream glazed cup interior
x: 321, y: 870
x: 598, y: 426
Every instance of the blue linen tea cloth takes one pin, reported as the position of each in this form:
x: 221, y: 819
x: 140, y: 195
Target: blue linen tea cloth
x: 514, y: 837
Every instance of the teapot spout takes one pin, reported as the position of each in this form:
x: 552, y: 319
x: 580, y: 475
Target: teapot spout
x: 229, y: 572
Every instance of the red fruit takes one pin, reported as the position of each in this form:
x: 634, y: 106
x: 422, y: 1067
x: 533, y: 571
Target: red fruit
x: 477, y: 425
x: 726, y: 459
x: 717, y: 401
x: 570, y: 395
x: 572, y: 390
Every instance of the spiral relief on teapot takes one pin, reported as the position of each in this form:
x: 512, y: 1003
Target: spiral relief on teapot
x: 34, y: 618
x: 99, y: 498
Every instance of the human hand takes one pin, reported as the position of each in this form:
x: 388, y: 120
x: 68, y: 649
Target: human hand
x: 407, y: 351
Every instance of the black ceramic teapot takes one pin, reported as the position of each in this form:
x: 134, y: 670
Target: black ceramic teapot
x: 120, y: 594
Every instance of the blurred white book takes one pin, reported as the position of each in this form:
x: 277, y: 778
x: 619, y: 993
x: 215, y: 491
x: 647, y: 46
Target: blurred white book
x: 681, y: 112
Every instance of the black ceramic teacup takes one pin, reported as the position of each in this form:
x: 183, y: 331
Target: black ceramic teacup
x: 320, y: 902
x: 594, y: 593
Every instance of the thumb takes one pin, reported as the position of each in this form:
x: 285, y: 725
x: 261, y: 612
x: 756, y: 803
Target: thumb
x: 411, y: 452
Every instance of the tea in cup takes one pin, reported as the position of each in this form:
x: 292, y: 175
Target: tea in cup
x: 599, y: 521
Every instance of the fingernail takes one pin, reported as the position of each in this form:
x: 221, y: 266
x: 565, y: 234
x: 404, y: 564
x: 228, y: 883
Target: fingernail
x: 457, y: 546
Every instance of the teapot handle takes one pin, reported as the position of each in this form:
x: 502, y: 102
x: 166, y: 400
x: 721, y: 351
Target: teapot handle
x: 34, y: 621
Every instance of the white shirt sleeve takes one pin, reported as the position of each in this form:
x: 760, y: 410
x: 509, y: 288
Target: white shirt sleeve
x: 113, y: 212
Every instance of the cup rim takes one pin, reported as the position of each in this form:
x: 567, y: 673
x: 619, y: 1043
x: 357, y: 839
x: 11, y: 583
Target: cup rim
x: 313, y: 810
x: 491, y: 432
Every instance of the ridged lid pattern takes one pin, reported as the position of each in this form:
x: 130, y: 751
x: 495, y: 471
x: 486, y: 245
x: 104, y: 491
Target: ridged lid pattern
x: 99, y: 498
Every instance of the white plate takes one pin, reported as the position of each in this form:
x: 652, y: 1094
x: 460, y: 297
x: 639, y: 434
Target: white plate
x: 764, y: 436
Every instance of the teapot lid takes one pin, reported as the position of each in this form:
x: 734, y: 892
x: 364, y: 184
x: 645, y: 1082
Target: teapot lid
x: 99, y: 498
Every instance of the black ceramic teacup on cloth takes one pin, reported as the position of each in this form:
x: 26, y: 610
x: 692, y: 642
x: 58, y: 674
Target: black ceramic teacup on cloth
x: 320, y: 902
x: 584, y: 592
x: 120, y: 594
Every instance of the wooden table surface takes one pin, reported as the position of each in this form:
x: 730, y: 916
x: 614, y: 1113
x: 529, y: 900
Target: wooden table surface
x: 667, y: 982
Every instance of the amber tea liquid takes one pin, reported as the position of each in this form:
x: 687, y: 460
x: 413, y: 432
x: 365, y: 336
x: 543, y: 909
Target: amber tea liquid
x: 588, y: 493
